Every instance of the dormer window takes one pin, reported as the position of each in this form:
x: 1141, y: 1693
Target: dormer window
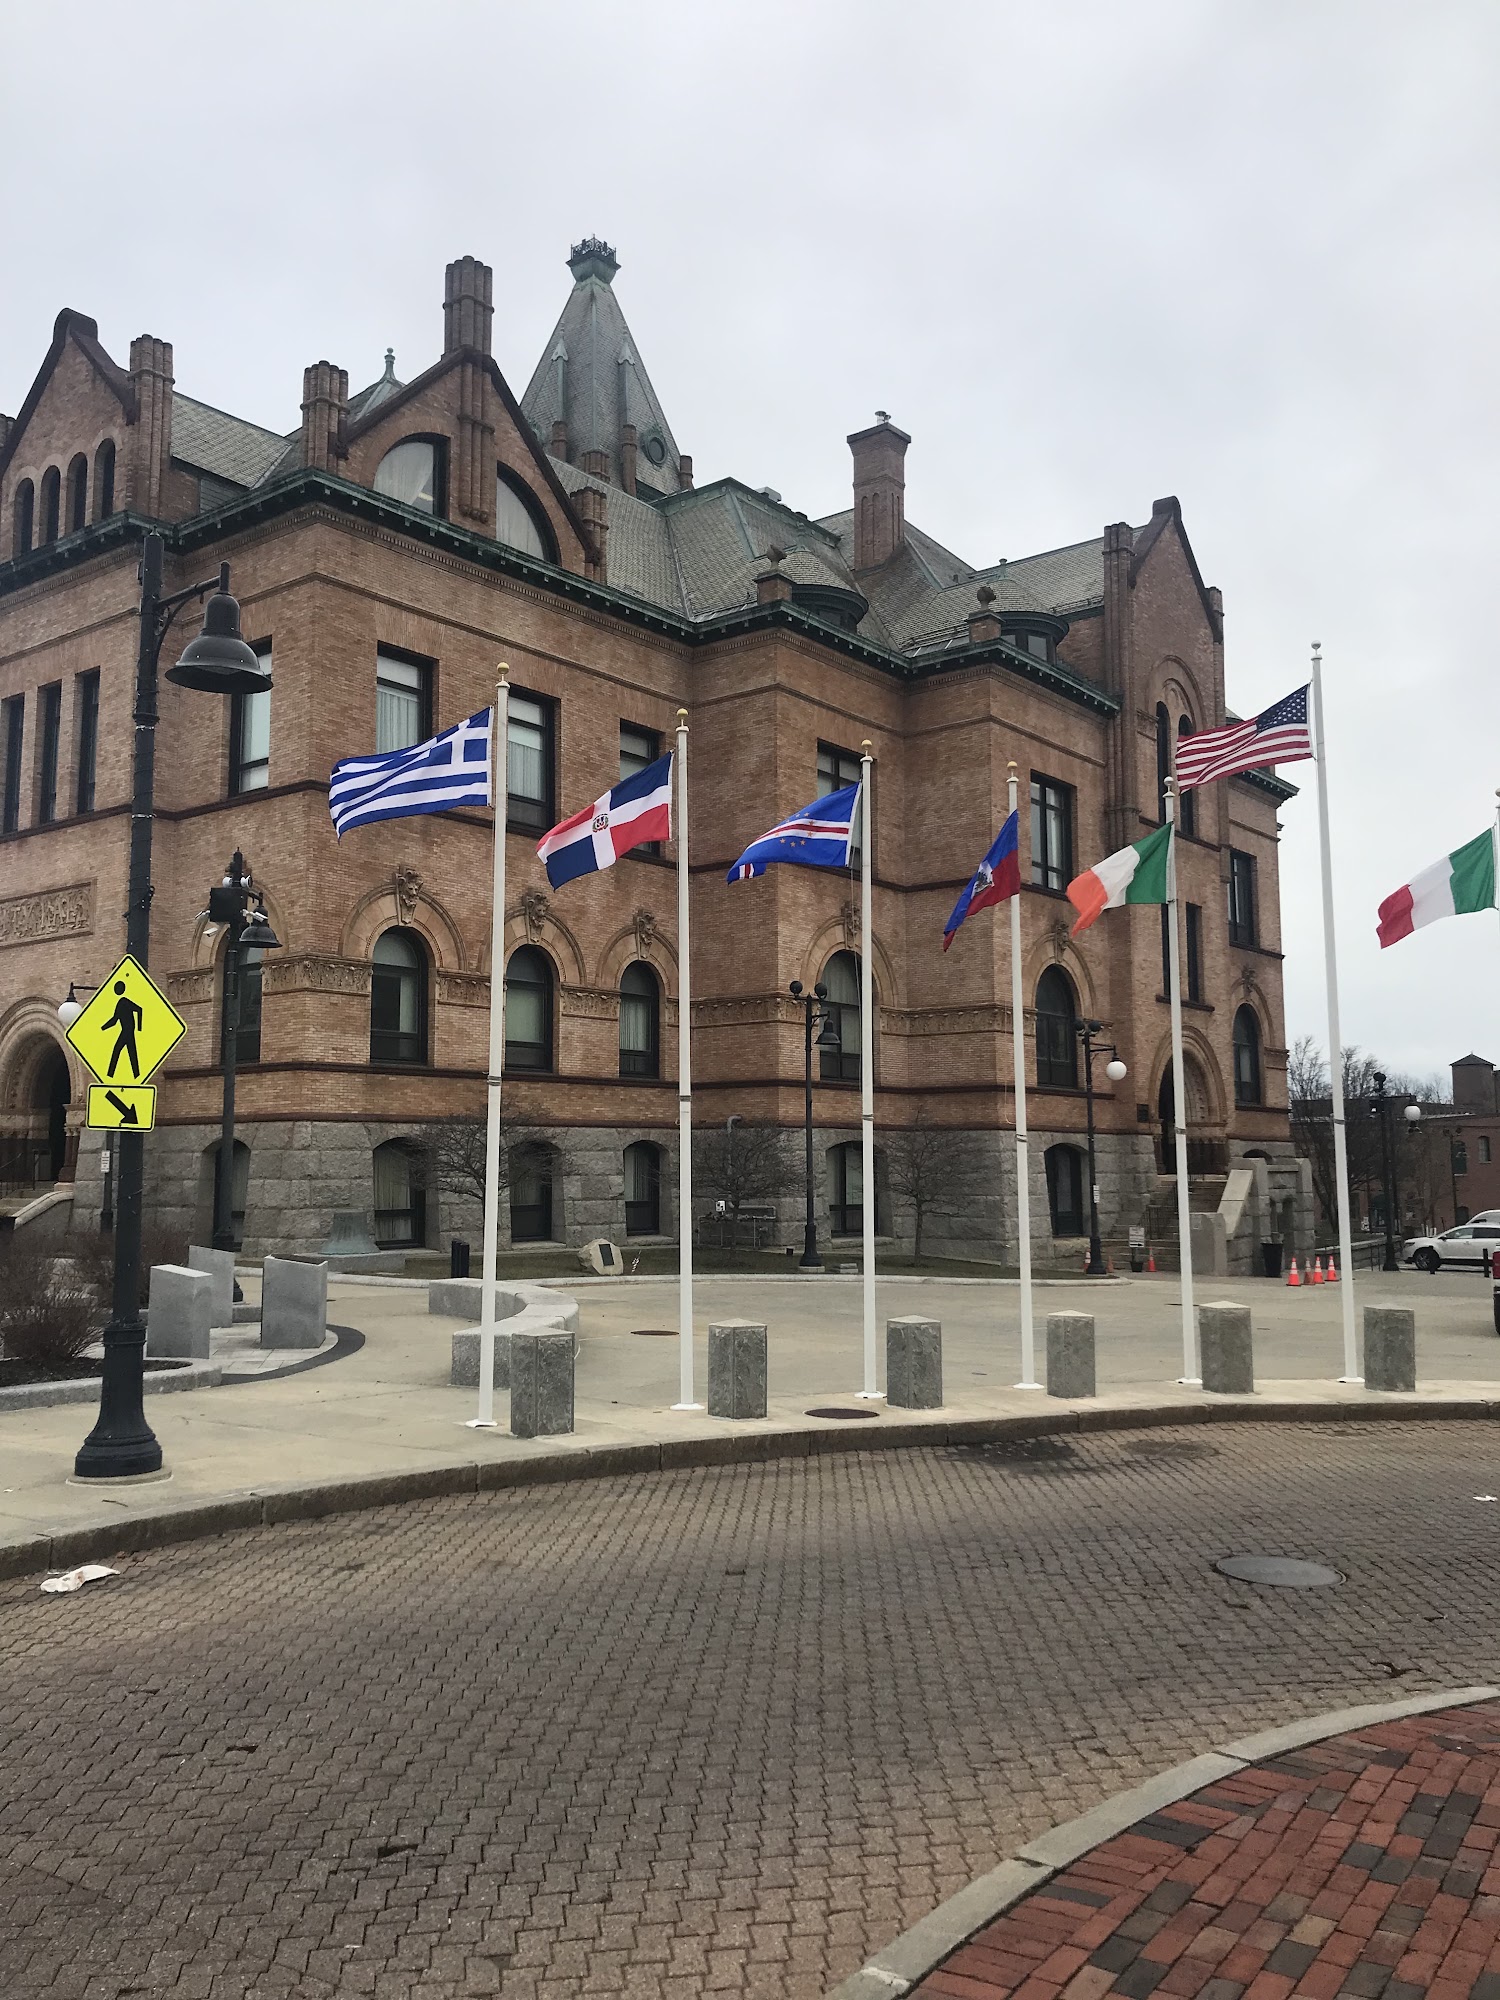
x: 413, y: 473
x: 518, y: 520
x: 51, y: 504
x: 25, y: 521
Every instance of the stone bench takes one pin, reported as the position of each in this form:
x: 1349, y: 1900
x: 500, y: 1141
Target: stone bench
x: 519, y: 1308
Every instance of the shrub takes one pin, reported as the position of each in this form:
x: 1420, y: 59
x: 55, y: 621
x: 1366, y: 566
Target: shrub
x: 50, y: 1304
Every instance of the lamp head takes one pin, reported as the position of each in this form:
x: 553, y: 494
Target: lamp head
x: 1412, y: 1113
x: 1115, y: 1071
x: 795, y: 989
x: 258, y: 934
x: 218, y: 661
x: 828, y: 1035
x: 71, y: 1008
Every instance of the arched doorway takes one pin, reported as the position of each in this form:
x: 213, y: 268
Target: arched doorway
x: 36, y: 1147
x: 1205, y: 1155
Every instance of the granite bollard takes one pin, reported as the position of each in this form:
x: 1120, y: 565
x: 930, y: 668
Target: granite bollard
x: 1390, y: 1348
x: 463, y: 1367
x: 914, y: 1363
x: 219, y: 1265
x: 179, y: 1312
x: 541, y: 1384
x: 737, y: 1369
x: 1227, y: 1347
x: 293, y: 1303
x: 1070, y: 1354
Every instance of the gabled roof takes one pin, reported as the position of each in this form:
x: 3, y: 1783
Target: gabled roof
x: 84, y: 333
x: 592, y: 378
x: 212, y: 441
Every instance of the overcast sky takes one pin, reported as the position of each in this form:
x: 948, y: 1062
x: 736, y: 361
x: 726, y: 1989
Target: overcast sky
x: 1085, y: 254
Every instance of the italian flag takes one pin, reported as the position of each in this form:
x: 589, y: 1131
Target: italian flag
x: 1460, y: 883
x: 1136, y: 874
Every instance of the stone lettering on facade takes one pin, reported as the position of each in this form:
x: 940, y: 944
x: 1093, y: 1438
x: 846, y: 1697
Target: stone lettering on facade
x: 53, y: 913
x: 316, y: 972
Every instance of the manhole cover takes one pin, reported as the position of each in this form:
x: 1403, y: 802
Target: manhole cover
x: 1283, y: 1570
x: 653, y: 1332
x: 842, y: 1413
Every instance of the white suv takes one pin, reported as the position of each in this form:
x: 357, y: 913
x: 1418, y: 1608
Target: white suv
x: 1472, y: 1243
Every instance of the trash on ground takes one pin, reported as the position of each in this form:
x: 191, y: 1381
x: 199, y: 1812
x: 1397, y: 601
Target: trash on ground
x: 75, y: 1579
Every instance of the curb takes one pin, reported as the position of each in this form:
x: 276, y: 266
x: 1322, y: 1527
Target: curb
x: 85, y: 1388
x: 265, y: 1507
x: 914, y: 1954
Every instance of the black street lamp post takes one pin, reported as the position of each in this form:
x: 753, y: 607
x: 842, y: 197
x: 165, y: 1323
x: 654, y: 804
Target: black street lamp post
x: 122, y: 1444
x: 828, y: 1039
x: 1115, y: 1070
x: 249, y: 930
x: 1381, y: 1108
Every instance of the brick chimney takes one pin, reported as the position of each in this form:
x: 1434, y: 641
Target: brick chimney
x: 879, y: 492
x: 593, y: 511
x: 772, y: 586
x: 984, y: 624
x: 627, y: 457
x: 150, y: 444
x: 558, y: 443
x: 325, y: 413
x: 468, y: 305
x: 685, y: 472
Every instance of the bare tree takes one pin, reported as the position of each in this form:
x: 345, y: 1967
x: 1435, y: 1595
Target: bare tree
x: 739, y: 1165
x: 453, y: 1154
x: 1312, y: 1128
x: 936, y: 1170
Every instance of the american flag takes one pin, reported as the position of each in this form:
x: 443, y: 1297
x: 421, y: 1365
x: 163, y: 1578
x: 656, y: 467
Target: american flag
x: 1278, y: 735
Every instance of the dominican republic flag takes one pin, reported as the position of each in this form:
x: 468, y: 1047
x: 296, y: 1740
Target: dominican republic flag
x: 452, y: 769
x: 1278, y: 735
x: 817, y: 837
x: 1456, y: 886
x: 996, y: 879
x: 638, y: 809
x: 1136, y: 874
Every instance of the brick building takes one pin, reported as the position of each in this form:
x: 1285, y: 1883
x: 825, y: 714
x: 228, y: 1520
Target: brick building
x: 387, y: 553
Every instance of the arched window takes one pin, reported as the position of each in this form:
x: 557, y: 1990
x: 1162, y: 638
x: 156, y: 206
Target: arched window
x: 640, y: 1022
x: 1187, y: 802
x: 246, y: 1009
x: 528, y: 1010
x: 78, y: 494
x: 1163, y: 758
x: 841, y: 977
x: 1246, y: 1057
x: 400, y: 1202
x: 519, y: 522
x: 398, y: 999
x: 531, y: 1193
x: 25, y: 518
x: 412, y: 472
x: 1056, y: 1034
x: 239, y: 1187
x: 642, y: 1189
x: 51, y: 504
x: 1065, y: 1168
x: 104, y: 480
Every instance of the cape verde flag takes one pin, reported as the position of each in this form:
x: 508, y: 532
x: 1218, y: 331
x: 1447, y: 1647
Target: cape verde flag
x: 636, y: 810
x: 996, y: 879
x: 817, y: 837
x: 451, y: 769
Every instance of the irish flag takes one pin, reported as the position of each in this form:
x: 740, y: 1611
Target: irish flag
x: 1461, y: 882
x: 1136, y: 874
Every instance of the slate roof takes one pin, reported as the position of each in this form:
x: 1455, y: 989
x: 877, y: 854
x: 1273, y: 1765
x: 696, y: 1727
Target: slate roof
x: 211, y: 440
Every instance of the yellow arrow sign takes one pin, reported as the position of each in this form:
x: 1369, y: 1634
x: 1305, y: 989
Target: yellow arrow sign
x: 129, y: 1028
x: 125, y: 1107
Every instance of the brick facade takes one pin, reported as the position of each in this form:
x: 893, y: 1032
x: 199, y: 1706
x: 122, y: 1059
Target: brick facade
x: 327, y: 571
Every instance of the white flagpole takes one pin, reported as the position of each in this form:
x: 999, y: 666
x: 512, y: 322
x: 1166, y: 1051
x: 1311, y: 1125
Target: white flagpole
x: 499, y: 792
x: 1335, y: 1042
x: 1023, y: 1168
x: 867, y: 1068
x: 684, y: 1089
x: 1190, y: 1374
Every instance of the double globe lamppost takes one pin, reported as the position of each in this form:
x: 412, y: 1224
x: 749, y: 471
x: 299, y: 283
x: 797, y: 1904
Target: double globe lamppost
x: 829, y: 1042
x: 122, y: 1444
x: 1381, y: 1108
x: 1115, y: 1070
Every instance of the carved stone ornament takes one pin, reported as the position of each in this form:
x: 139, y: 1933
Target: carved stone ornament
x: 315, y: 972
x: 850, y: 915
x: 407, y: 884
x: 1058, y: 934
x: 645, y: 932
x: 534, y: 908
x: 51, y: 913
x: 186, y: 988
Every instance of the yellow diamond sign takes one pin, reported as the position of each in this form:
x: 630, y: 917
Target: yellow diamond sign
x: 129, y: 1028
x: 128, y: 1107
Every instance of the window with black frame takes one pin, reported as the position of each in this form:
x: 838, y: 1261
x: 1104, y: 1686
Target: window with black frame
x: 1065, y: 1172
x: 846, y: 1201
x: 400, y: 1204
x: 1056, y: 1031
x: 639, y: 748
x: 86, y: 739
x: 398, y: 1000
x: 1187, y: 802
x: 1247, y: 1084
x: 23, y: 523
x: 531, y: 1195
x: 1193, y: 981
x: 104, y: 480
x: 403, y: 700
x: 841, y: 977
x: 78, y: 494
x: 1242, y: 925
x: 413, y: 473
x: 1051, y: 833
x: 642, y: 1189
x: 50, y: 712
x: 528, y: 1010
x: 51, y: 504
x: 246, y: 1008
x: 530, y: 761
x: 836, y: 770
x: 250, y: 735
x: 640, y: 1022
x: 13, y: 715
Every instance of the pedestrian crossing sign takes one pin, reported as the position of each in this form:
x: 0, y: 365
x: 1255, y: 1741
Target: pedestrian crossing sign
x: 128, y: 1107
x: 129, y: 1028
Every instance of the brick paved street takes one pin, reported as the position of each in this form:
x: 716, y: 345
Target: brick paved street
x: 1362, y: 1868
x: 717, y: 1730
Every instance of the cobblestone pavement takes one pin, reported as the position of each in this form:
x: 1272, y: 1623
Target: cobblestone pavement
x: 717, y: 1730
x: 1355, y: 1869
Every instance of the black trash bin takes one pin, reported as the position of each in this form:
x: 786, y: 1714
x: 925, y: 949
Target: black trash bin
x: 1270, y: 1259
x: 458, y: 1258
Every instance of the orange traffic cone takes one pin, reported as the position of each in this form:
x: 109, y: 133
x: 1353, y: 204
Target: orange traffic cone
x: 1333, y: 1271
x: 1150, y: 1260
x: 1294, y: 1276
x: 1317, y: 1271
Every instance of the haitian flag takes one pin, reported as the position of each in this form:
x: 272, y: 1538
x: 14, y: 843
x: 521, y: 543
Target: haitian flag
x: 996, y: 879
x: 636, y: 810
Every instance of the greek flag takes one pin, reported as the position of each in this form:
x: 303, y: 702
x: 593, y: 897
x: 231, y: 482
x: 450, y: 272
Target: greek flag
x: 816, y: 837
x: 452, y: 769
